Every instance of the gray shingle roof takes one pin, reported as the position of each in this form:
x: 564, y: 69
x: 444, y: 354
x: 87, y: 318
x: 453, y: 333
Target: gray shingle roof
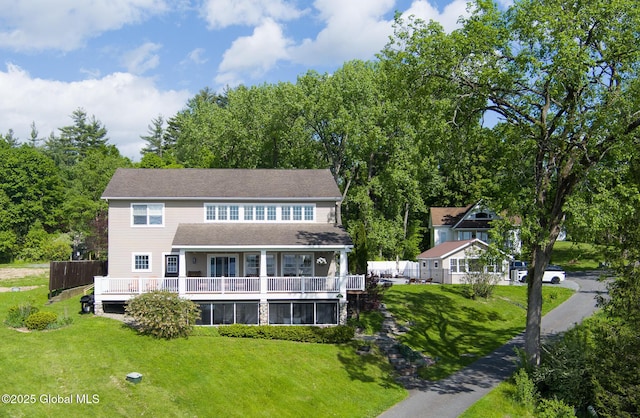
x: 193, y: 183
x: 251, y: 234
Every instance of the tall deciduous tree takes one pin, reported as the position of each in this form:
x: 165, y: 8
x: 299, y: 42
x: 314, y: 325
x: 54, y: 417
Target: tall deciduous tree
x: 563, y: 78
x: 372, y: 154
x: 30, y: 191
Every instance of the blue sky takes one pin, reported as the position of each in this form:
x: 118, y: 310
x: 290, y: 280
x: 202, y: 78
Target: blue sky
x: 127, y: 61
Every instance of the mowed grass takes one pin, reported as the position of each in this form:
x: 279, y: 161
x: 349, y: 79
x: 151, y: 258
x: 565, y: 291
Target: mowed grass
x: 202, y: 376
x: 575, y: 256
x: 455, y: 330
x: 499, y: 403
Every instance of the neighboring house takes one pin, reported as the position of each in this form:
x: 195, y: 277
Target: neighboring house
x: 465, y: 223
x: 249, y: 246
x: 449, y: 262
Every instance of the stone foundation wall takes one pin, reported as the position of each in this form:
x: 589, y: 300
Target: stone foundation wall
x: 263, y: 312
x: 342, y: 313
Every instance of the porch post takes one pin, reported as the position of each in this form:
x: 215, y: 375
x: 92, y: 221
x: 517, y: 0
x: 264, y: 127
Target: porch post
x: 97, y: 290
x: 182, y: 264
x: 342, y: 304
x: 182, y: 272
x: 263, y: 273
x: 263, y: 308
x: 344, y: 270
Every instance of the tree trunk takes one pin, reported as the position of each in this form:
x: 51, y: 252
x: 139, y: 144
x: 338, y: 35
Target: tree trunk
x: 541, y: 255
x: 534, y: 308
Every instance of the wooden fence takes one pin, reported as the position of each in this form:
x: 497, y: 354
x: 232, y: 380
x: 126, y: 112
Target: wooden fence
x: 68, y: 274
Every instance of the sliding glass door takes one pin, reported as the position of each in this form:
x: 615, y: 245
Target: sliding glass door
x: 223, y: 266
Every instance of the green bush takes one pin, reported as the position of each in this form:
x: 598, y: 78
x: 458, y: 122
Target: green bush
x: 163, y: 314
x: 18, y: 314
x: 40, y: 320
x: 554, y: 408
x: 478, y: 284
x: 330, y: 335
x: 526, y: 393
x: 566, y: 370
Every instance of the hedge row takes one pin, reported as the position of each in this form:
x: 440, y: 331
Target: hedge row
x: 330, y: 335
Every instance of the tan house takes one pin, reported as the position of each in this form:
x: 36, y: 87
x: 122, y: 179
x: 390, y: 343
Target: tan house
x: 449, y: 262
x: 249, y: 246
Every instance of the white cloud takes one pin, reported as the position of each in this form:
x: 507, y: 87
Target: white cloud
x: 220, y: 14
x: 253, y: 55
x: 354, y: 29
x: 196, y: 56
x: 67, y: 24
x: 448, y: 18
x: 123, y: 102
x: 142, y: 59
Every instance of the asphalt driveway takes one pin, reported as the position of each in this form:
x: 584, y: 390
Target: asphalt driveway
x: 452, y: 396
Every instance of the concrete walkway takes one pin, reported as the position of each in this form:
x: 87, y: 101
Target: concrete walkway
x: 452, y: 396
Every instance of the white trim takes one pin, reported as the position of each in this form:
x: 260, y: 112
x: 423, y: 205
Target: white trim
x: 133, y: 263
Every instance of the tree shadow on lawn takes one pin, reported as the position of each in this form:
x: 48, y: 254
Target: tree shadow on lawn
x: 451, y: 333
x: 368, y: 367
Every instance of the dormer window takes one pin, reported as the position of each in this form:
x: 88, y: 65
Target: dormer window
x: 482, y: 215
x: 258, y: 213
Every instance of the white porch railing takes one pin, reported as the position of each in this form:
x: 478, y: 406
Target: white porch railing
x: 303, y: 284
x: 223, y: 285
x: 137, y: 285
x: 355, y: 282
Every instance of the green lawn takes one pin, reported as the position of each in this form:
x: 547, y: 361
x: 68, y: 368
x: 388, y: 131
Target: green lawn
x: 499, y: 403
x: 199, y: 376
x: 207, y: 375
x: 574, y: 256
x: 456, y: 331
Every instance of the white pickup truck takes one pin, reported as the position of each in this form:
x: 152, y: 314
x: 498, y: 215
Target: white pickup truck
x: 553, y: 274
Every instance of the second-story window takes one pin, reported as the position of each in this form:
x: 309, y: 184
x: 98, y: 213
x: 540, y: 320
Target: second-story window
x: 271, y: 213
x: 308, y: 213
x: 285, y: 213
x: 210, y: 212
x: 234, y: 212
x: 297, y: 213
x: 248, y: 213
x: 258, y: 213
x: 147, y: 214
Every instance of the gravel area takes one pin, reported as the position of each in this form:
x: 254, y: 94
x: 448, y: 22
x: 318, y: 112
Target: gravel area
x: 18, y: 272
